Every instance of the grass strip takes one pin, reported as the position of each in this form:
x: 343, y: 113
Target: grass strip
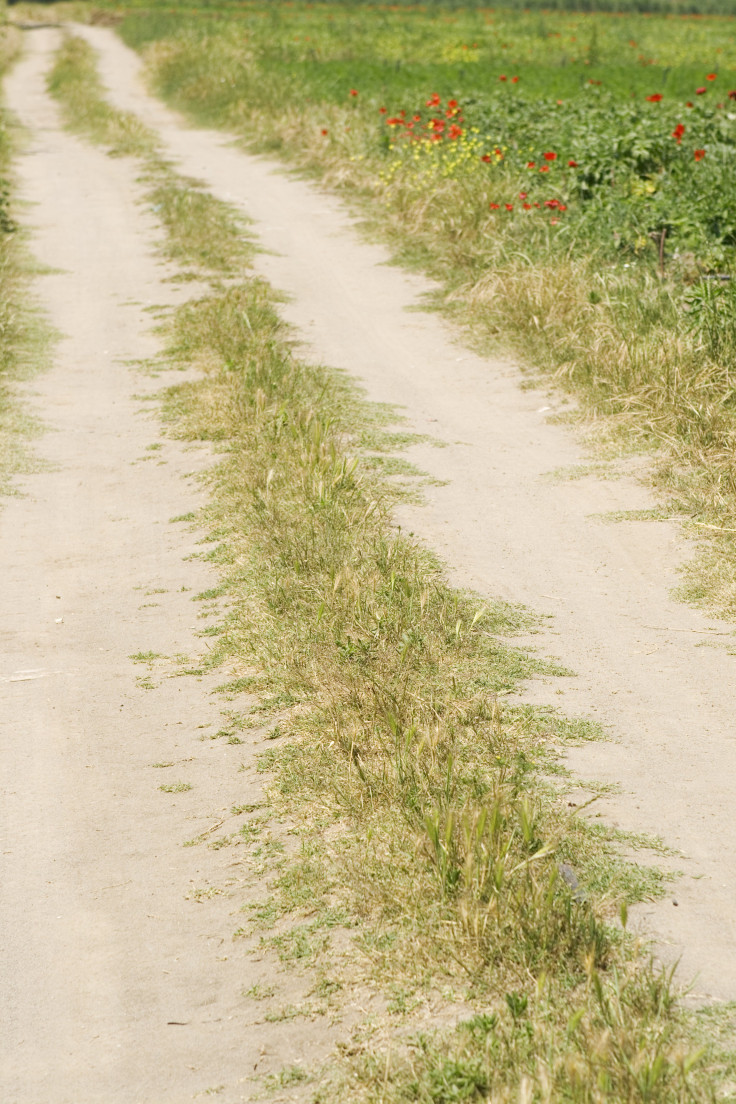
x: 22, y: 337
x: 648, y: 359
x: 427, y: 812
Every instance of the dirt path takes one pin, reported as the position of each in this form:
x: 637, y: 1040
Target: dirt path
x: 121, y: 982
x: 659, y: 675
x: 120, y: 979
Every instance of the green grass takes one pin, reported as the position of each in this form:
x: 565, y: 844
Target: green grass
x: 430, y: 818
x: 645, y: 343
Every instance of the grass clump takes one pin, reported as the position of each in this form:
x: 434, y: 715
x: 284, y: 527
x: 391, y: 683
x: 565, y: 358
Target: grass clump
x: 430, y: 824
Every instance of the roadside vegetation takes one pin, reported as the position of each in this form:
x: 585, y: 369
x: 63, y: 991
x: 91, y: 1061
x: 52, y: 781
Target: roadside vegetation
x: 430, y: 814
x: 566, y: 177
x: 21, y: 336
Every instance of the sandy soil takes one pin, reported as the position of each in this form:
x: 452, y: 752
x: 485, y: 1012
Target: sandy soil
x: 657, y: 674
x: 120, y: 978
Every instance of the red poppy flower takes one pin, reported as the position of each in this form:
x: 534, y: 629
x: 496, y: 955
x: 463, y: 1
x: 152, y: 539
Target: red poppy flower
x: 324, y: 130
x: 549, y: 156
x: 514, y: 80
x: 562, y: 207
x: 688, y: 104
x: 700, y: 91
x: 503, y: 78
x: 572, y: 164
x: 699, y: 155
x: 553, y: 221
x: 454, y: 132
x: 678, y: 132
x: 531, y: 164
x: 509, y: 206
x: 383, y: 110
x: 495, y: 206
x: 732, y: 94
x: 552, y: 203
x: 353, y: 91
x: 393, y: 122
x: 544, y: 168
x: 522, y: 195
x: 434, y: 100
x: 711, y: 76
x: 527, y: 206
x: 654, y: 98
x: 452, y: 103
x: 487, y: 158
x: 498, y: 153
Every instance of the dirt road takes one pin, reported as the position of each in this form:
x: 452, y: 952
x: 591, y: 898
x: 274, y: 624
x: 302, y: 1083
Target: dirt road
x: 659, y: 675
x: 120, y: 979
